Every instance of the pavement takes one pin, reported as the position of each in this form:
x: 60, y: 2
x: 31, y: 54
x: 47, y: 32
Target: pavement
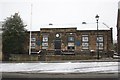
x: 64, y: 76
x: 62, y: 61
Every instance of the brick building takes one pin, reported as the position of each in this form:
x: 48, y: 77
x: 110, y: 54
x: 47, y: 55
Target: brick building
x: 118, y: 28
x: 71, y: 40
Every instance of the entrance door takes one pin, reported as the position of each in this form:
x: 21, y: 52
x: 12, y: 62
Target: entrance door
x: 57, y: 46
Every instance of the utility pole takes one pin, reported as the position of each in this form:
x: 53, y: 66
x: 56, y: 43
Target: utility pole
x: 30, y: 32
x: 97, y: 18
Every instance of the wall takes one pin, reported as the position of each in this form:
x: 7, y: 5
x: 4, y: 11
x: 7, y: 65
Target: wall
x: 0, y: 46
x: 65, y: 32
x: 23, y: 57
x: 118, y: 28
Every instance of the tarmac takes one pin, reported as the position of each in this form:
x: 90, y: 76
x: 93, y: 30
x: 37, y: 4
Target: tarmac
x: 72, y: 76
x: 63, y: 76
x: 59, y: 75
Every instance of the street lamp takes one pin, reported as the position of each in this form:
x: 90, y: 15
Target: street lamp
x: 30, y: 32
x: 97, y: 18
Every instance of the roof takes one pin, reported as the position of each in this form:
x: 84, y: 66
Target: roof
x: 58, y: 27
x: 93, y: 26
x: 87, y: 26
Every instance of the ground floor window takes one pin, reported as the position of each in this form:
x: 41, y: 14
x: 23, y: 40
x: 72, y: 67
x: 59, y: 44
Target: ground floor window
x: 85, y: 41
x: 33, y: 45
x: 70, y: 47
x: 85, y: 45
x: 100, y: 45
x: 45, y: 41
x: 33, y: 42
x: 100, y: 42
x: 71, y: 42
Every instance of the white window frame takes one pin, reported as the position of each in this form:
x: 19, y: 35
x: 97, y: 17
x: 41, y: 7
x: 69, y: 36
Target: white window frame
x: 33, y: 39
x: 44, y: 47
x: 33, y: 45
x: 84, y: 38
x: 100, y: 38
x: 101, y: 45
x: 71, y: 39
x: 45, y: 44
x: 45, y: 38
x: 45, y: 41
x: 85, y: 45
x: 100, y: 41
x: 85, y: 41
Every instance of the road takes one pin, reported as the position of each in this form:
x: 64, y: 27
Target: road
x: 73, y: 70
x: 72, y: 76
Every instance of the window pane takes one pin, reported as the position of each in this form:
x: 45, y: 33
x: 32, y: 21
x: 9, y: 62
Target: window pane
x: 44, y: 44
x: 85, y: 45
x: 44, y: 47
x: 85, y: 35
x: 100, y: 45
x: 33, y: 45
x: 68, y: 47
x: 45, y: 38
x: 71, y: 44
x: 85, y: 39
x: 100, y: 39
x: 71, y: 47
x: 70, y: 38
x: 33, y: 39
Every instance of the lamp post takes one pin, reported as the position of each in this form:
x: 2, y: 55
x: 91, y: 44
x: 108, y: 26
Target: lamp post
x: 97, y: 18
x: 30, y: 32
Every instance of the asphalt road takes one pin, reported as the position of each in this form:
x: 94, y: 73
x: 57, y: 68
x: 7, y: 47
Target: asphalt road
x: 53, y: 76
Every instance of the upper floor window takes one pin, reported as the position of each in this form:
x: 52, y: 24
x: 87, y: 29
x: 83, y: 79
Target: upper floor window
x: 33, y: 39
x: 45, y: 41
x: 85, y: 42
x: 45, y: 38
x: 84, y: 38
x: 33, y: 45
x: 100, y: 42
x: 70, y: 38
x: 100, y: 38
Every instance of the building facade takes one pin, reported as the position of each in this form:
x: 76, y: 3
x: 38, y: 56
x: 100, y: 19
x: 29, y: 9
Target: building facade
x: 1, y: 40
x: 118, y: 28
x: 71, y: 41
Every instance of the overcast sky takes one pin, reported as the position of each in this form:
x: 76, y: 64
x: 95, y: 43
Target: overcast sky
x: 61, y: 12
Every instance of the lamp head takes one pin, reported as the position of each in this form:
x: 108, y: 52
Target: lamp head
x: 97, y: 17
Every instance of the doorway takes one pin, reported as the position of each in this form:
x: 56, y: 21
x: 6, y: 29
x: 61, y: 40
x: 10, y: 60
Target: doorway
x: 57, y: 46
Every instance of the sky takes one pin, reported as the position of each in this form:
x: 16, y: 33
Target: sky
x: 39, y: 13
